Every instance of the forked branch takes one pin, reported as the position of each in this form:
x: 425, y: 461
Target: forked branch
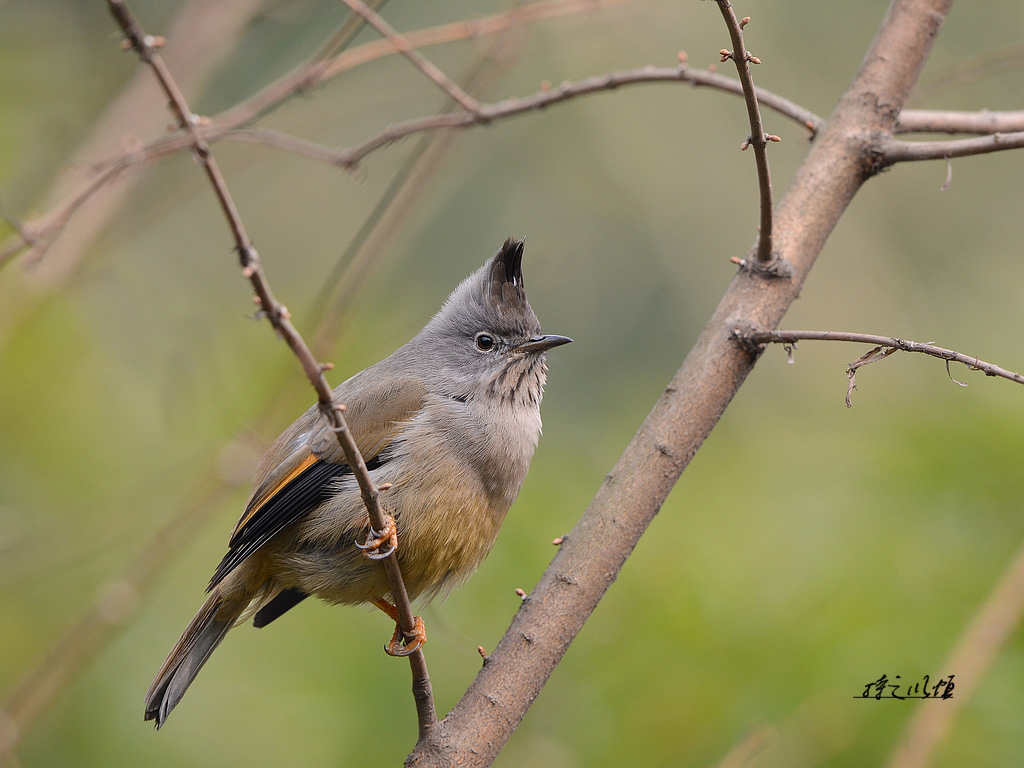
x: 884, y: 346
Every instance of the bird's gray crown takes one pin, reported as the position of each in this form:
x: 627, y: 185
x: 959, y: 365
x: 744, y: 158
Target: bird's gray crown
x: 493, y: 298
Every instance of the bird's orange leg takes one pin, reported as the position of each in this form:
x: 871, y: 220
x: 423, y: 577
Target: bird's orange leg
x: 402, y: 644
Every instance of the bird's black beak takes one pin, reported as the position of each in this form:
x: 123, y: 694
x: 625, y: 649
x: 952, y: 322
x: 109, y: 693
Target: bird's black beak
x: 542, y: 343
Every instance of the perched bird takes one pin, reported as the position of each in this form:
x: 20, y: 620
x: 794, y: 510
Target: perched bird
x: 447, y: 425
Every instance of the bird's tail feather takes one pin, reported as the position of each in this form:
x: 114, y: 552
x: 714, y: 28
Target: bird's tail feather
x: 202, y: 635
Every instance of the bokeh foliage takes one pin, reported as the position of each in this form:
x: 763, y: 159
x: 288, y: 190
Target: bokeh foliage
x: 807, y: 550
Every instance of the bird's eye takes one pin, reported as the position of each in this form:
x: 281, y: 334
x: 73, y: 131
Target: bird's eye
x: 484, y: 341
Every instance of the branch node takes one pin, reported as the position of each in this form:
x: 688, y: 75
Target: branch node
x: 743, y: 334
x: 775, y: 268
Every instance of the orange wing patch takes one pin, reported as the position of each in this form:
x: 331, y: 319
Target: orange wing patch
x: 257, y: 505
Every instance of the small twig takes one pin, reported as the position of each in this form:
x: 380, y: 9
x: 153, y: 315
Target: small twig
x: 938, y: 121
x: 48, y: 227
x: 341, y: 158
x: 74, y: 649
x: 317, y: 73
x: 421, y: 62
x: 949, y: 176
x: 893, y: 151
x: 758, y: 139
x: 279, y: 318
x: 544, y: 98
x: 884, y: 346
x: 871, y: 356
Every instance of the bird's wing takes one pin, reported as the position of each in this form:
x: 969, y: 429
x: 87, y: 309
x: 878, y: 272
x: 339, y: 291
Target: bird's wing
x: 301, y: 480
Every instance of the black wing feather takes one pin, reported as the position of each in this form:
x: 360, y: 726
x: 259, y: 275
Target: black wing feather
x: 302, y: 494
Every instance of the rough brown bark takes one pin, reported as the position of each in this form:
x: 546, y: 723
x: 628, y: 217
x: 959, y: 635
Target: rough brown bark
x: 843, y: 156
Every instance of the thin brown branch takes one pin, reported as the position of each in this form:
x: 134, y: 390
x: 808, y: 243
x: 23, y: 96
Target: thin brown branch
x: 884, y: 343
x: 758, y: 139
x: 339, y: 41
x: 269, y: 137
x: 940, y: 121
x: 421, y: 62
x: 488, y: 113
x: 205, y: 34
x: 315, y: 74
x: 893, y: 151
x: 36, y: 691
x: 591, y: 556
x: 45, y: 229
x: 981, y: 641
x: 279, y: 318
x: 48, y: 227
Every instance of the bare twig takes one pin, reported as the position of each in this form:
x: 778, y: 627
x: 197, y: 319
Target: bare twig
x: 315, y: 74
x: 421, y: 62
x: 488, y: 113
x: 758, y: 139
x: 205, y: 35
x: 939, y: 121
x: 279, y: 317
x: 978, y: 645
x: 72, y: 651
x: 39, y: 233
x: 893, y: 151
x: 344, y: 35
x: 591, y: 556
x: 884, y: 346
x: 48, y: 227
x: 77, y: 645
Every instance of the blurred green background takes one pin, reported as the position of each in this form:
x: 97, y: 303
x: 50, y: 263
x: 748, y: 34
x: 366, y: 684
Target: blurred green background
x: 809, y: 548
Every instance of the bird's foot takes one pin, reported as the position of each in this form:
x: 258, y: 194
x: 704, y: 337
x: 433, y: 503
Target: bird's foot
x: 403, y: 643
x: 375, y: 539
x: 406, y: 643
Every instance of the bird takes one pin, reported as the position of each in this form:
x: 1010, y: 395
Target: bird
x: 447, y: 425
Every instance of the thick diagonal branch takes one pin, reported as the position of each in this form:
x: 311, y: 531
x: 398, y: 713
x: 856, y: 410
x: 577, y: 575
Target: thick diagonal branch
x: 590, y: 558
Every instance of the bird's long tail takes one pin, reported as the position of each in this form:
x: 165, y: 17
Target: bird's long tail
x: 202, y: 635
